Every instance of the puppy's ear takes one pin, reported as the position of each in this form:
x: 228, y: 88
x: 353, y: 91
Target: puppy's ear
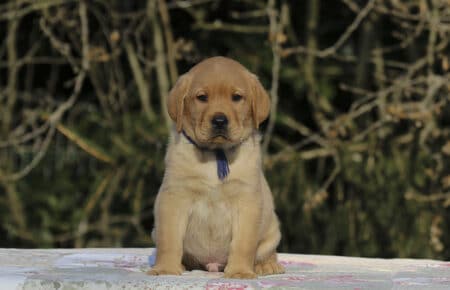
x: 260, y: 102
x: 175, y: 100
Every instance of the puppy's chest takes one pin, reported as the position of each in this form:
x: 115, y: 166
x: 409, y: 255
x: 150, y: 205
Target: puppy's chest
x: 211, y: 206
x: 207, y: 170
x: 211, y: 217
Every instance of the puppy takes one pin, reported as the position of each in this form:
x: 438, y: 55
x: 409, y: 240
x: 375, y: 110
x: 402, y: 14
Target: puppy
x: 214, y: 210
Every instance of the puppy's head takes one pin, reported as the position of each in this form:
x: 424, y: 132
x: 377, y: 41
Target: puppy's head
x: 218, y: 103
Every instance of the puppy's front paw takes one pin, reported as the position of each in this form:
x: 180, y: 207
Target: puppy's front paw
x: 238, y: 273
x: 269, y: 268
x: 166, y: 270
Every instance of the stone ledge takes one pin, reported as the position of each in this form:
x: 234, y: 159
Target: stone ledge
x: 124, y: 268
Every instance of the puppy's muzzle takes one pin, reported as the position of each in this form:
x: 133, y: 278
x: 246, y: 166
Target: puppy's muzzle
x: 219, y: 123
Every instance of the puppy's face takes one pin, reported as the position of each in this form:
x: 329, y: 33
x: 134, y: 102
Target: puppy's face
x: 218, y: 103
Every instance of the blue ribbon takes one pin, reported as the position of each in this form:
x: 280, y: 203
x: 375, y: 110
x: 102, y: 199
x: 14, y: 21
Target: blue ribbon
x: 222, y: 164
x: 221, y: 159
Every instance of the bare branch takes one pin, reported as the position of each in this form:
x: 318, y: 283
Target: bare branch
x: 331, y: 50
x: 144, y: 91
x: 161, y: 69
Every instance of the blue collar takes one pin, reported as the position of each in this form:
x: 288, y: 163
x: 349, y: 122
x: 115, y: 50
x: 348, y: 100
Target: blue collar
x: 221, y: 158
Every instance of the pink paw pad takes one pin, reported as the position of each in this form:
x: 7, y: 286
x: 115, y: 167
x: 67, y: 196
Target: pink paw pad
x: 213, y: 267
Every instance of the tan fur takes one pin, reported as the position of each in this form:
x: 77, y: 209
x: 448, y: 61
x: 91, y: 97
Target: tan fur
x: 200, y: 219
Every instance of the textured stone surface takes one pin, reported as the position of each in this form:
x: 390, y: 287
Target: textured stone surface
x: 125, y: 269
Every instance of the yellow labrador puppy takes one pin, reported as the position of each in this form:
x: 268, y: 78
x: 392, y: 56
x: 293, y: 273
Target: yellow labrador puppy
x: 214, y: 210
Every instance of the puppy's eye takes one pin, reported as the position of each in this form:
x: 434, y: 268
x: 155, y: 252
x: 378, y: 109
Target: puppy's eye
x: 202, y: 98
x: 236, y: 97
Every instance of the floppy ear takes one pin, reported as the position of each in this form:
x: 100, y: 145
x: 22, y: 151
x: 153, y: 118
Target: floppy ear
x: 175, y: 100
x: 260, y: 102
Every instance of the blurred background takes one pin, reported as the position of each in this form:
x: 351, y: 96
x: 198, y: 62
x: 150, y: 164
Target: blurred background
x: 356, y: 149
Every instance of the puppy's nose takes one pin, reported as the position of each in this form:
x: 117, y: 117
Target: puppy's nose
x: 219, y: 121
